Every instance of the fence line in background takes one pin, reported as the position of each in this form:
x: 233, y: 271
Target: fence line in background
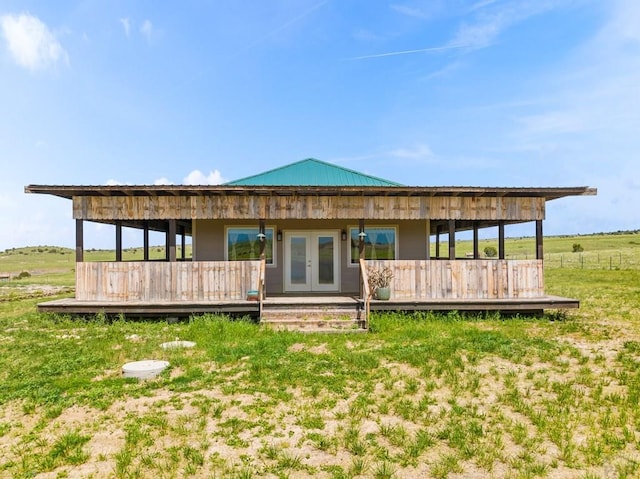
x: 587, y: 260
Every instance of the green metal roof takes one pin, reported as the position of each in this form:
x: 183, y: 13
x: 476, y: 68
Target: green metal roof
x: 311, y: 172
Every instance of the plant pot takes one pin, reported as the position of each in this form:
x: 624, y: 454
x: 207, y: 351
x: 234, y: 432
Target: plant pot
x: 252, y: 295
x: 383, y: 294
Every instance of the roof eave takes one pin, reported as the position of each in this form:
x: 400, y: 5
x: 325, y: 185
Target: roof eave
x: 69, y: 191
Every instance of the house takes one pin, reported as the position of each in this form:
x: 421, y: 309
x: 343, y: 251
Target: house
x: 309, y: 230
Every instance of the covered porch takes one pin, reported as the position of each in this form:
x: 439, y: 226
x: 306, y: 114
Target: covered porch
x: 178, y: 289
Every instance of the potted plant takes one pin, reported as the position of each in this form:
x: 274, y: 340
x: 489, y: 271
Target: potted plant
x: 380, y: 282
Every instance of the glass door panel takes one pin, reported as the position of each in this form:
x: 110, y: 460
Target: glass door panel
x: 325, y: 260
x: 298, y: 263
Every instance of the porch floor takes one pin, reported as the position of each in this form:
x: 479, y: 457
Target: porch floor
x: 251, y: 308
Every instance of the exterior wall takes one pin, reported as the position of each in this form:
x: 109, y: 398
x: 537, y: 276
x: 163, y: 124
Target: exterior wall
x: 465, y: 279
x: 412, y: 239
x: 209, y: 241
x: 106, y: 208
x: 166, y: 281
x: 209, y: 245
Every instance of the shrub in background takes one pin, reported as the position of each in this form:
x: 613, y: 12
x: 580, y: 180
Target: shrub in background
x: 490, y: 252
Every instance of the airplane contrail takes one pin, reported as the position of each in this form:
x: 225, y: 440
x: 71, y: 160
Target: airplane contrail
x: 408, y: 52
x: 286, y: 24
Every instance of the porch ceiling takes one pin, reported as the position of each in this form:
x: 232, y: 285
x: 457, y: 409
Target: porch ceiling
x: 186, y: 225
x: 153, y: 225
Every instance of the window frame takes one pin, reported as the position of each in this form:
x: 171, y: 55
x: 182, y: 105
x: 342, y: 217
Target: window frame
x: 351, y: 229
x: 267, y: 229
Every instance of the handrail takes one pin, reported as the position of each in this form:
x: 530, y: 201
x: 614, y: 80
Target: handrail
x: 366, y: 292
x: 261, y: 285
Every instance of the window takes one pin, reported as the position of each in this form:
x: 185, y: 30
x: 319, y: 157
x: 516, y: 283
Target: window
x: 242, y: 244
x: 380, y: 243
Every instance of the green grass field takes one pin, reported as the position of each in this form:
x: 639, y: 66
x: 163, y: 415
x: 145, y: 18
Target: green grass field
x: 419, y: 396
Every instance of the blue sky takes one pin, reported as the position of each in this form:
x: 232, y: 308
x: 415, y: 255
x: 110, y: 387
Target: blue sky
x: 422, y: 92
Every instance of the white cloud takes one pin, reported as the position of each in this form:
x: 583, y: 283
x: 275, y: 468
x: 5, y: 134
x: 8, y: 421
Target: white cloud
x: 597, y: 91
x: 366, y: 36
x: 409, y: 11
x: 31, y: 43
x: 126, y: 25
x: 418, y: 152
x: 622, y: 28
x: 147, y: 29
x: 553, y: 122
x: 493, y: 18
x: 488, y: 20
x: 163, y: 181
x: 196, y: 177
x: 112, y: 182
x: 481, y: 4
x: 444, y: 71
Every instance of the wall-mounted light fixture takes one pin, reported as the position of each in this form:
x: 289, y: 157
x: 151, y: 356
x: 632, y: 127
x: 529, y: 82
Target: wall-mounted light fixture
x: 279, y: 235
x: 343, y: 235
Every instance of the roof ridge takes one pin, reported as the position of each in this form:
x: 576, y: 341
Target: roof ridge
x: 273, y: 170
x: 355, y: 172
x: 324, y: 164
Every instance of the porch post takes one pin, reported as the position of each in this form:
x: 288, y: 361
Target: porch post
x: 118, y: 240
x: 166, y: 243
x: 262, y: 237
x: 476, y: 242
x: 183, y: 243
x: 171, y: 241
x: 438, y: 241
x: 452, y: 239
x: 428, y: 231
x: 361, y: 236
x: 145, y: 241
x: 79, y: 241
x: 501, y: 254
x: 539, y: 236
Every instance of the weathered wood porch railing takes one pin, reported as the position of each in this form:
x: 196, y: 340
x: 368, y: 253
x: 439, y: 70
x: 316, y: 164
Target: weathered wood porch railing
x: 464, y: 279
x: 167, y: 281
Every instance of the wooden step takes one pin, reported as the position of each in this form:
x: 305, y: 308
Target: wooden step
x: 313, y: 318
x: 308, y: 313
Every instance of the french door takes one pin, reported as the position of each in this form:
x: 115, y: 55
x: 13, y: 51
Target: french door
x: 312, y: 260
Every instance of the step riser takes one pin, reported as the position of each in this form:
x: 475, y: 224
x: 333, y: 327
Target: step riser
x: 311, y: 314
x: 309, y: 317
x: 292, y: 325
x: 311, y: 311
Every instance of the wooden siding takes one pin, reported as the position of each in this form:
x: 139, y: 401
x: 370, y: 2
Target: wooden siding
x: 307, y: 207
x: 166, y: 281
x: 465, y: 279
